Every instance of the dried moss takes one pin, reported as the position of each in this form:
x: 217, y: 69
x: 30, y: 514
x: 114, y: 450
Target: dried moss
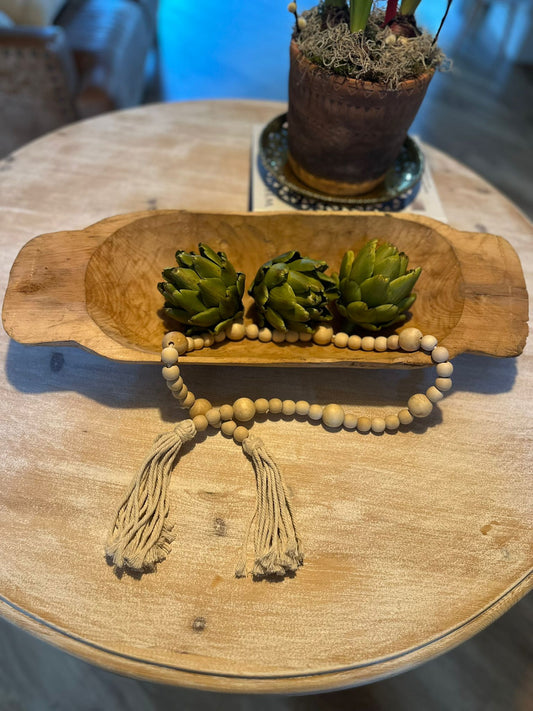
x: 376, y: 56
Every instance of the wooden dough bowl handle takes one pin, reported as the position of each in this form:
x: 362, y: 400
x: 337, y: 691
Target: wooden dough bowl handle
x: 45, y: 299
x: 496, y: 299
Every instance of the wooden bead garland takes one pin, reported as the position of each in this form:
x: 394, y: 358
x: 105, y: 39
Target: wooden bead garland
x: 141, y: 535
x: 333, y: 416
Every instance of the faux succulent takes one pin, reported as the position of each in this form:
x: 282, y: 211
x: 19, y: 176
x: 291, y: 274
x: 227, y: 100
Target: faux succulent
x: 204, y: 292
x: 293, y: 292
x: 375, y: 287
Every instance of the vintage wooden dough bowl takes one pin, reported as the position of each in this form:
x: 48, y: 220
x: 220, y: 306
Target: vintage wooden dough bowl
x: 471, y: 294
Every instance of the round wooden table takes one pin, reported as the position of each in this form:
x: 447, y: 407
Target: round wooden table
x: 436, y: 544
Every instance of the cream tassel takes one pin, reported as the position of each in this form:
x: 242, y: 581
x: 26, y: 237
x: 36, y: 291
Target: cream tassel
x: 278, y: 549
x: 141, y: 535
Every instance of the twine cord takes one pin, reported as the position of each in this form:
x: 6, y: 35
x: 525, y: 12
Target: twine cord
x: 141, y: 535
x: 277, y: 547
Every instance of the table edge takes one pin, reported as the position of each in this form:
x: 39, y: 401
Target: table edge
x: 311, y: 682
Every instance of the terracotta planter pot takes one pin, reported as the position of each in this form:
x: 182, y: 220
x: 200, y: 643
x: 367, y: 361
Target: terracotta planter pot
x: 345, y: 134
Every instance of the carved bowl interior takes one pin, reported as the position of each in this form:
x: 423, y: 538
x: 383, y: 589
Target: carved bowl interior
x: 123, y: 272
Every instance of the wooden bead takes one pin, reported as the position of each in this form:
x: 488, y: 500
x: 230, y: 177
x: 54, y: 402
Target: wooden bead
x: 240, y: 434
x: 333, y: 415
x: 434, y: 394
x: 341, y: 339
x: 444, y: 370
x: 278, y: 336
x: 354, y: 343
x: 208, y: 339
x: 213, y: 416
x: 190, y: 344
x: 252, y: 331
x: 219, y: 337
x: 410, y: 339
x: 440, y: 354
x: 180, y: 343
x: 378, y: 425
x: 170, y: 372
x: 288, y: 408
x: 228, y: 428
x: 302, y: 408
x: 200, y: 422
x: 350, y: 421
x: 367, y: 343
x: 182, y: 393
x: 177, y: 339
x: 168, y: 339
x: 364, y: 424
x: 244, y: 409
x: 200, y: 407
x: 236, y: 332
x: 198, y: 343
x: 265, y: 335
x: 443, y: 384
x: 392, y: 422
x: 323, y: 335
x: 274, y: 406
x: 226, y: 412
x: 428, y: 343
x: 380, y: 344
x: 393, y: 342
x: 305, y: 337
x: 175, y: 385
x: 405, y: 417
x: 261, y: 405
x: 188, y: 401
x: 419, y: 405
x: 169, y: 356
x: 292, y: 337
x: 315, y: 412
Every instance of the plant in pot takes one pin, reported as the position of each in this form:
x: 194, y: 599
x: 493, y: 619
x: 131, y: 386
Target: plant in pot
x: 358, y: 74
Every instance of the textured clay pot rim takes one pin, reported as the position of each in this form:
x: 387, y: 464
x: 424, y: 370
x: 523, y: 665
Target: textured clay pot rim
x: 359, y: 83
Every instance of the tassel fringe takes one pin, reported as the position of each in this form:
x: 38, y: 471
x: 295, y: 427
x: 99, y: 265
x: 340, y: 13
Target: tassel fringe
x: 278, y: 549
x: 141, y: 535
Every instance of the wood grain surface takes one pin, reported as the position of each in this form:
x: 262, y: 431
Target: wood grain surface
x: 414, y: 541
x: 471, y: 294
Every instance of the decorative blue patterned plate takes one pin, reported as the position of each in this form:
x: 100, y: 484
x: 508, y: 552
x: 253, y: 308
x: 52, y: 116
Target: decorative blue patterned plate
x: 398, y: 190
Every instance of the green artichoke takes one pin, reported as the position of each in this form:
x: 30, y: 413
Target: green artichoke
x: 375, y: 287
x: 292, y: 293
x: 204, y: 292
